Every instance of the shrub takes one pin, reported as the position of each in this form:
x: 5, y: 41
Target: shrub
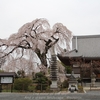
x: 42, y: 81
x: 22, y: 84
x: 65, y: 84
x: 80, y: 89
x: 31, y: 88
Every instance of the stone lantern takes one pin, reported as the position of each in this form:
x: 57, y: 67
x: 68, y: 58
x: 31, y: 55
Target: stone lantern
x: 72, y: 83
x: 93, y: 79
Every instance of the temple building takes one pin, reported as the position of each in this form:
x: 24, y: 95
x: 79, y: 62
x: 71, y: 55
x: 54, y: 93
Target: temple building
x: 84, y: 58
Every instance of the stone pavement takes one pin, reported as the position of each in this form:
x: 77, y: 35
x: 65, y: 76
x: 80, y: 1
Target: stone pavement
x: 90, y: 95
x: 94, y: 94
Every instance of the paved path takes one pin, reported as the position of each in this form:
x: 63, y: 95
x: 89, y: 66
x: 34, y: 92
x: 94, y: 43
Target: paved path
x: 90, y: 95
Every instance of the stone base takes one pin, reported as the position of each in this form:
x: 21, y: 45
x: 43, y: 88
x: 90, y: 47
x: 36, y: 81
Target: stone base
x: 54, y: 85
x: 73, y: 87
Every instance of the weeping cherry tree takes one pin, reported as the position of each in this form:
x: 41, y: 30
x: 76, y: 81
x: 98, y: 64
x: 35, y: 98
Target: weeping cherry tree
x: 38, y: 37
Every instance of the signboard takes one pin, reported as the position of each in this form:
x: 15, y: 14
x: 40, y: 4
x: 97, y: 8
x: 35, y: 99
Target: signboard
x: 6, y: 79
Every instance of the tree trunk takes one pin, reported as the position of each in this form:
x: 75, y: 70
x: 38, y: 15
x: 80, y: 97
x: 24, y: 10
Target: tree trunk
x: 42, y: 57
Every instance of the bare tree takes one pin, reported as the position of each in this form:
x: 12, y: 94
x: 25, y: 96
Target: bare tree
x: 39, y: 37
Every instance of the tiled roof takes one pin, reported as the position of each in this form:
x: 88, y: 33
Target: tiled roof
x: 72, y: 79
x: 8, y: 74
x: 87, y: 46
x: 86, y: 36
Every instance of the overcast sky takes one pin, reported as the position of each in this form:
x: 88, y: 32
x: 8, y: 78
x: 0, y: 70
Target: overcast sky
x: 79, y: 16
